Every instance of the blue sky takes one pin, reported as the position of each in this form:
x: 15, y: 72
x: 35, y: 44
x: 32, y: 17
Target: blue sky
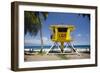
x: 81, y: 34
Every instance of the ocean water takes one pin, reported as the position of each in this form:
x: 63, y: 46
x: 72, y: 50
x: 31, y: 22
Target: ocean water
x: 47, y: 47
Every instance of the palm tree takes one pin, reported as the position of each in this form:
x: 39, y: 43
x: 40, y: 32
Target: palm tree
x: 88, y: 15
x: 33, y: 23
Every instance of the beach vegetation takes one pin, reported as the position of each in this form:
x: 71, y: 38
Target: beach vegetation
x: 41, y: 52
x: 33, y: 23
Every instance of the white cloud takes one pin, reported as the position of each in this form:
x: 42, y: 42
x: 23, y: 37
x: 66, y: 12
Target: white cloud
x: 31, y: 41
x: 79, y: 35
x: 47, y: 41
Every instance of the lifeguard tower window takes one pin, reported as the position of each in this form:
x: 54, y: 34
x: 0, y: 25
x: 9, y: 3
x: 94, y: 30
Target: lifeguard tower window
x: 62, y: 29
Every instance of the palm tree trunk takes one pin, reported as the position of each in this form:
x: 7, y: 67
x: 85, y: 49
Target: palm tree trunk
x: 41, y: 37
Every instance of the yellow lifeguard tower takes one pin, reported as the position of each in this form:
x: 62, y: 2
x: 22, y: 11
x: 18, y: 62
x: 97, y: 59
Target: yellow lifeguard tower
x: 62, y: 34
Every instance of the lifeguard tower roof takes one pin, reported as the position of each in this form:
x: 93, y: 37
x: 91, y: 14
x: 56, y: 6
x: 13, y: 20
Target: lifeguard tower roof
x: 63, y: 26
x: 59, y: 25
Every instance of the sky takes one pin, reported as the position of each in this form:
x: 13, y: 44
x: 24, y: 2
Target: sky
x: 81, y: 34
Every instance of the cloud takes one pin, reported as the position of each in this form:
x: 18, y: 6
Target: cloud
x: 79, y: 35
x: 31, y: 41
x: 47, y: 41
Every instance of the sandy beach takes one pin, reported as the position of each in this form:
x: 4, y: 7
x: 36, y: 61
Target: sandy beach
x: 83, y: 54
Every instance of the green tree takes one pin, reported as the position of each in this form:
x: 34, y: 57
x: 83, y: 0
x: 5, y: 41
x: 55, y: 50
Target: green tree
x: 84, y: 15
x: 33, y: 23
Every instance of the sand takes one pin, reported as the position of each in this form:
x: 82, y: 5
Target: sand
x: 52, y: 56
